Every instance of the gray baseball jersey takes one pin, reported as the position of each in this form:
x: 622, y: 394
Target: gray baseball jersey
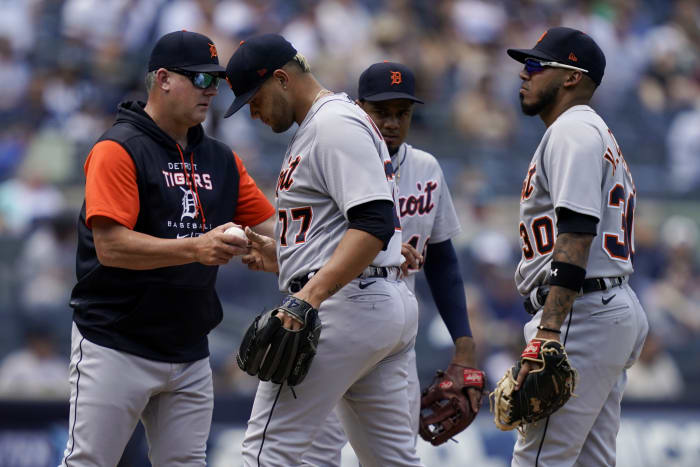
x: 579, y: 166
x: 425, y: 204
x: 326, y: 172
x: 336, y: 160
x: 577, y: 147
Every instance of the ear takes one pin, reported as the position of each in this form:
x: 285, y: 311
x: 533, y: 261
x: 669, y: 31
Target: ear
x: 163, y: 79
x: 282, y: 77
x: 573, y: 79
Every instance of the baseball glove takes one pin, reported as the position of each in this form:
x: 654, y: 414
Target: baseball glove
x: 275, y: 353
x: 445, y: 407
x: 543, y: 391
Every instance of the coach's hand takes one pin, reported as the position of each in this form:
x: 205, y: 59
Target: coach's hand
x: 215, y: 248
x: 262, y: 255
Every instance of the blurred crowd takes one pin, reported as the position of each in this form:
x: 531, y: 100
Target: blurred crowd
x: 65, y: 65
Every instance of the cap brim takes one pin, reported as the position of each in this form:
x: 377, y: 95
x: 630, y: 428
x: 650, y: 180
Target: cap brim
x: 521, y: 54
x: 241, y: 100
x: 206, y: 68
x: 385, y: 96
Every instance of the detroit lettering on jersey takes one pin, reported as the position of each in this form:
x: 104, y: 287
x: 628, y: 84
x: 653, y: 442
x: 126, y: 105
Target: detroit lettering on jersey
x: 420, y: 204
x: 285, y: 179
x: 577, y: 166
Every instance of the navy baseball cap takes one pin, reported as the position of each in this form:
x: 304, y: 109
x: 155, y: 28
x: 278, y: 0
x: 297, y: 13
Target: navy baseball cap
x: 387, y: 80
x: 253, y: 63
x: 569, y: 47
x: 186, y: 50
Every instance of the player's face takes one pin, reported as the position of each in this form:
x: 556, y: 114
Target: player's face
x: 539, y: 90
x: 271, y: 107
x: 187, y: 103
x: 393, y: 117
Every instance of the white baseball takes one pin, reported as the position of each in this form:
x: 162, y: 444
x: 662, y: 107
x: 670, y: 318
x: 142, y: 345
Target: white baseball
x: 236, y: 232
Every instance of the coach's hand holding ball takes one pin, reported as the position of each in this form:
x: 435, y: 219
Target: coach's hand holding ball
x: 236, y: 237
x: 219, y: 245
x: 236, y: 231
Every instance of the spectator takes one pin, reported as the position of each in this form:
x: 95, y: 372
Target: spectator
x: 683, y: 142
x: 673, y: 303
x: 655, y: 376
x: 36, y: 371
x: 47, y: 263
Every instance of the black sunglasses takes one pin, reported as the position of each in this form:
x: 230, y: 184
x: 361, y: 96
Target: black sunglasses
x: 533, y: 65
x: 199, y: 79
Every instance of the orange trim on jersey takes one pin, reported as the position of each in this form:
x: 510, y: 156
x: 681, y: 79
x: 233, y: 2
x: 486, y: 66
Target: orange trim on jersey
x: 110, y: 185
x: 253, y: 207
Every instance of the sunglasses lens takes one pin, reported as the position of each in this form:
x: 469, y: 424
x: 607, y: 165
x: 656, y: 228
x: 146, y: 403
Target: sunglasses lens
x: 204, y: 80
x: 533, y: 66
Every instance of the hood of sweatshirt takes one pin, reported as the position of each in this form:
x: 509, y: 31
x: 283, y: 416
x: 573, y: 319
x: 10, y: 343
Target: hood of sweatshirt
x: 133, y: 112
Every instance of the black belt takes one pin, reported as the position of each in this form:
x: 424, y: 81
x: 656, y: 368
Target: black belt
x: 298, y: 283
x: 538, y: 296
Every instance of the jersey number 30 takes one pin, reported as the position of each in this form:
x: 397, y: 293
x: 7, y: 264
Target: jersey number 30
x: 618, y: 246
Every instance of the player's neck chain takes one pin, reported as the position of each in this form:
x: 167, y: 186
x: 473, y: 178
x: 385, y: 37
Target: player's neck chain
x: 320, y: 93
x: 399, y: 159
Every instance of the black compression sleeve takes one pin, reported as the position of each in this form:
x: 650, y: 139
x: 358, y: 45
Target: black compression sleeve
x: 569, y: 221
x: 375, y: 218
x: 446, y: 284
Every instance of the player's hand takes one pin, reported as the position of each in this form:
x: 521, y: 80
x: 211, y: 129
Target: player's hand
x: 215, y: 248
x: 528, y: 366
x: 289, y: 321
x: 525, y: 368
x: 262, y: 255
x: 413, y: 258
x: 465, y: 355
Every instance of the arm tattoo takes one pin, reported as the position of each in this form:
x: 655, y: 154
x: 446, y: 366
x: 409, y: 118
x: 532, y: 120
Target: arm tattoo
x: 569, y: 248
x: 334, y: 289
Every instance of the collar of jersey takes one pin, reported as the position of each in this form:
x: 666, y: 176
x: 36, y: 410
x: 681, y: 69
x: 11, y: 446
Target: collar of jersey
x: 400, y: 154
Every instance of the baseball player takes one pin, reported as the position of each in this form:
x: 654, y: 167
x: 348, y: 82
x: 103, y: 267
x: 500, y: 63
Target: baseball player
x: 337, y: 247
x: 428, y: 222
x: 577, y: 236
x: 159, y: 194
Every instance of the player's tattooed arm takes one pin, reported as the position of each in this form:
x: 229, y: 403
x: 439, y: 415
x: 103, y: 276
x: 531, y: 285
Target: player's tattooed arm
x: 334, y: 289
x: 572, y: 248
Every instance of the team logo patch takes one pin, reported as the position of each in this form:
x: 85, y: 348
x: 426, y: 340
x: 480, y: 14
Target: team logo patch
x: 573, y: 57
x: 472, y: 377
x: 396, y: 77
x: 212, y: 50
x: 532, y: 350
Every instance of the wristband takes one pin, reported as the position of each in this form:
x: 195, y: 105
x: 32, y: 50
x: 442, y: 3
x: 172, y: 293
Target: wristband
x: 542, y: 328
x: 567, y: 275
